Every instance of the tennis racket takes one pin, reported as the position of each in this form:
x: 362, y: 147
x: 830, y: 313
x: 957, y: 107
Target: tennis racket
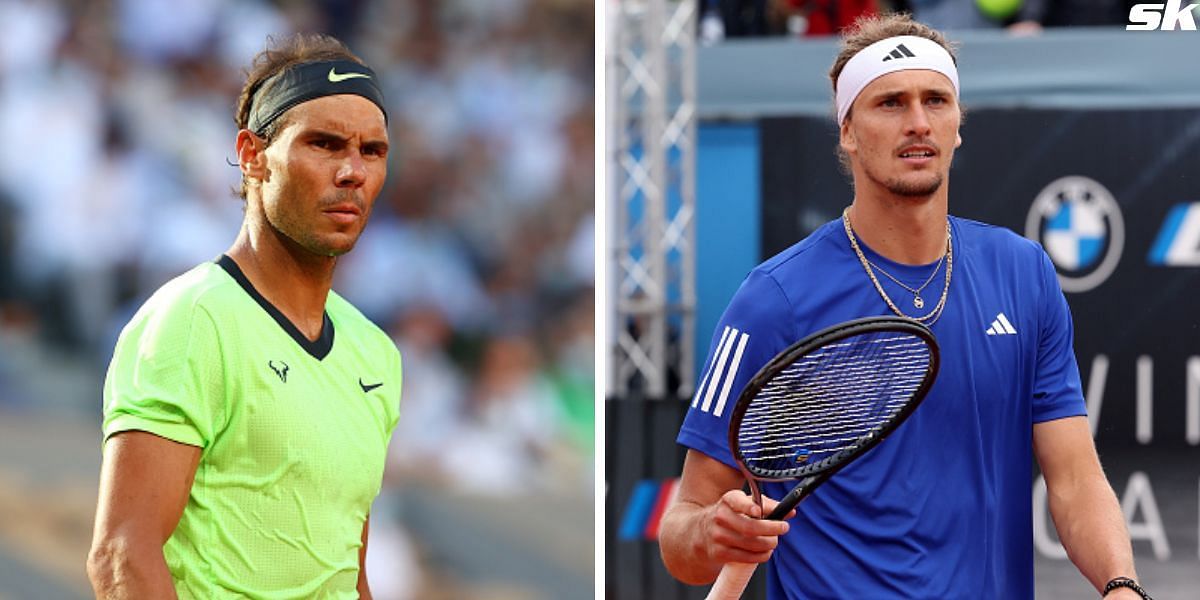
x: 822, y: 403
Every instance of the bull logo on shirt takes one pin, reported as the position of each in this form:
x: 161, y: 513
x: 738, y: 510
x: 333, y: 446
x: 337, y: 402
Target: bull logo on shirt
x: 280, y: 368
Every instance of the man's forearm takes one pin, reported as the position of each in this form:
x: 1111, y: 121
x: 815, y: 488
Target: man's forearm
x: 1092, y: 529
x: 679, y: 542
x: 364, y: 593
x: 119, y: 571
x: 364, y: 588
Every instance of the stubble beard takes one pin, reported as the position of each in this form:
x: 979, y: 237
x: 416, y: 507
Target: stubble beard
x: 295, y: 232
x: 914, y: 189
x: 915, y: 184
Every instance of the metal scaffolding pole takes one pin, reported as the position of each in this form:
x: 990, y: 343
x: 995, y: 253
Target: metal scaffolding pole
x: 652, y: 88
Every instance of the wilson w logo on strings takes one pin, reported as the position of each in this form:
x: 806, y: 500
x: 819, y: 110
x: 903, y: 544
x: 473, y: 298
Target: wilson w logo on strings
x: 721, y: 372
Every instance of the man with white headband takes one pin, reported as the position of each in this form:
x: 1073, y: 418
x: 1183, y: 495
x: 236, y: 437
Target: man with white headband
x: 248, y: 408
x: 942, y: 508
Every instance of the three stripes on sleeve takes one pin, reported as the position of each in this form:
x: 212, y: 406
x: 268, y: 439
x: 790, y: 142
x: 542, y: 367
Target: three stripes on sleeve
x: 722, y: 370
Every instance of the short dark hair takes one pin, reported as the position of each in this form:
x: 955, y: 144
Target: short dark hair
x: 279, y: 55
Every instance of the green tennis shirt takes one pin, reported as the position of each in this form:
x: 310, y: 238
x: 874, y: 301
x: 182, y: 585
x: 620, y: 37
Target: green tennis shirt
x: 293, y: 433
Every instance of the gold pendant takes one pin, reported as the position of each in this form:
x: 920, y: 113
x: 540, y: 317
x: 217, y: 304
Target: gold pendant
x: 918, y: 302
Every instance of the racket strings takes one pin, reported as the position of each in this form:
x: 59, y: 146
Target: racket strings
x: 831, y: 429
x: 830, y: 401
x: 837, y: 425
x: 848, y: 381
x: 832, y: 417
x: 833, y: 398
x: 826, y: 434
x: 779, y: 400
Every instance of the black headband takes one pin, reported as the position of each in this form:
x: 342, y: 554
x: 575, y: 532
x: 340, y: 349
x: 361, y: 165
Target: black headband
x: 308, y: 81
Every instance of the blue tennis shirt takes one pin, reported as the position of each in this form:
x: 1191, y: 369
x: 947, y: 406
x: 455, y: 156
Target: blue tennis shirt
x: 942, y: 508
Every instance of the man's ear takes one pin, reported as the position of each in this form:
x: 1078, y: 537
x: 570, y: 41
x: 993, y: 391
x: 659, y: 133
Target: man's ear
x: 252, y: 158
x: 846, y: 137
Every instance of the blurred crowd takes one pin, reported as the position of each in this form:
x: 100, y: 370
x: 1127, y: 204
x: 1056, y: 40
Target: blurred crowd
x: 117, y: 175
x: 738, y: 18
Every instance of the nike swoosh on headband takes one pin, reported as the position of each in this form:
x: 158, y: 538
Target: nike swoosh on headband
x: 307, y: 81
x: 335, y: 77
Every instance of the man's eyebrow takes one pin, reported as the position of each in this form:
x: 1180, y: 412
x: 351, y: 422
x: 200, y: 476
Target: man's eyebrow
x: 323, y: 134
x: 378, y: 145
x: 887, y: 94
x: 896, y: 93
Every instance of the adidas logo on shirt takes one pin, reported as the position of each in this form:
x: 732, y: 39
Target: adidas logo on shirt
x: 1001, y: 326
x: 901, y: 51
x: 721, y: 372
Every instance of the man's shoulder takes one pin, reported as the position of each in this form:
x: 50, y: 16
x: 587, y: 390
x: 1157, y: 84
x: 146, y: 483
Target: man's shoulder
x: 996, y: 239
x: 803, y: 257
x: 204, y: 286
x: 169, y: 317
x: 794, y: 280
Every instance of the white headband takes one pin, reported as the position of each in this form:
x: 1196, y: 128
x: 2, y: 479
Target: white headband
x: 887, y: 56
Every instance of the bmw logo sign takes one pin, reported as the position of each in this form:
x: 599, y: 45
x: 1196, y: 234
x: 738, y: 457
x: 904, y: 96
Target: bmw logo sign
x: 1079, y: 224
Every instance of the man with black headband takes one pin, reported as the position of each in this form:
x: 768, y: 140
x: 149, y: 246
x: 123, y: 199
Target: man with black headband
x: 247, y: 408
x: 942, y: 508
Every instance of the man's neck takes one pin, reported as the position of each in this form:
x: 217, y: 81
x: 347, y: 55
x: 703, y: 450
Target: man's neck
x: 294, y: 280
x: 909, y: 231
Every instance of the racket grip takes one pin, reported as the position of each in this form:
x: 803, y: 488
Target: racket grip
x: 732, y: 581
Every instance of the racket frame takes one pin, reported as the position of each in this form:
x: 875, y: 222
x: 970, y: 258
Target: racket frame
x: 786, y: 358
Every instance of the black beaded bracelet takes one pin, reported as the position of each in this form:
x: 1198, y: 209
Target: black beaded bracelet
x: 1125, y: 582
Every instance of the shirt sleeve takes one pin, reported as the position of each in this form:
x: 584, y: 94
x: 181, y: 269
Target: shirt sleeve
x: 1057, y: 391
x: 754, y: 328
x: 166, y: 377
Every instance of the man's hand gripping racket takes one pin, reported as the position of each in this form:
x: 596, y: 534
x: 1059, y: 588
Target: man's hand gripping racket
x: 821, y: 404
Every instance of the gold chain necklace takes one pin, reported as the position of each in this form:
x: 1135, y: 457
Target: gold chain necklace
x: 918, y: 301
x: 948, y: 256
